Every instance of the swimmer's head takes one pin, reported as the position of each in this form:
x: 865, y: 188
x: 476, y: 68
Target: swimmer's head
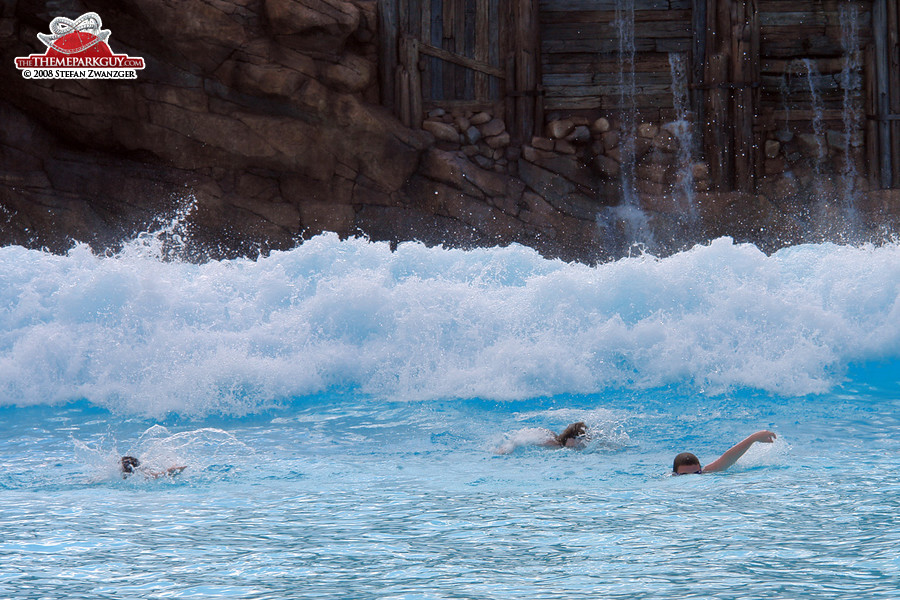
x: 571, y: 434
x: 686, y: 464
x: 129, y: 463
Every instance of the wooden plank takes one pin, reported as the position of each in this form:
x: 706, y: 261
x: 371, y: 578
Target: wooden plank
x: 602, y: 65
x: 462, y: 61
x: 436, y: 66
x: 802, y: 115
x: 387, y: 52
x: 459, y: 36
x: 425, y: 28
x: 550, y: 17
x: 698, y: 60
x: 611, y: 105
x: 413, y: 26
x: 610, y: 5
x: 403, y: 78
x: 768, y: 6
x: 469, y: 49
x: 825, y: 66
x: 870, y: 109
x: 718, y: 138
x: 415, y: 83
x: 882, y: 93
x: 893, y: 44
x: 661, y: 79
x: 650, y: 30
x: 482, y: 46
x: 815, y: 18
x: 448, y: 43
x: 605, y: 45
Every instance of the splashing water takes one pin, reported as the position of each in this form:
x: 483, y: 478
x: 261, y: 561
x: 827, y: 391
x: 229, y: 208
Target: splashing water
x: 137, y: 334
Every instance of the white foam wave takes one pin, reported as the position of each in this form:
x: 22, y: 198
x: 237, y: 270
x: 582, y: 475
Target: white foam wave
x: 142, y: 335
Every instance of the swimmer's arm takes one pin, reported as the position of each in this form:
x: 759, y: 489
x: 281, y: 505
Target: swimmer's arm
x: 732, y: 455
x: 170, y: 472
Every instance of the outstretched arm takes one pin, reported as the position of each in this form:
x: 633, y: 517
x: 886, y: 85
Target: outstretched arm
x: 735, y: 452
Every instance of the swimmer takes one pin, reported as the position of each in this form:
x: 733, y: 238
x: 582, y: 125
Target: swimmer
x: 688, y: 464
x: 572, y: 436
x: 131, y: 465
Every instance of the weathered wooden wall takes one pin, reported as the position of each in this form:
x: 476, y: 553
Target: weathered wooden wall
x: 801, y: 49
x: 581, y: 60
x: 752, y: 64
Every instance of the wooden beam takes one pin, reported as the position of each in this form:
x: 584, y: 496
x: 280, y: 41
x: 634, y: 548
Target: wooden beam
x: 415, y: 82
x: 882, y: 92
x: 698, y: 60
x: 482, y: 46
x: 893, y: 47
x: 463, y: 61
x: 387, y: 52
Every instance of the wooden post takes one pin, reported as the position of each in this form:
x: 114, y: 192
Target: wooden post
x: 415, y: 82
x: 525, y: 73
x: 449, y: 43
x: 387, y: 52
x: 871, y: 111
x: 893, y: 43
x: 882, y: 92
x: 403, y: 78
x: 698, y: 61
x: 482, y: 46
x: 719, y: 134
x: 426, y: 73
x: 745, y: 69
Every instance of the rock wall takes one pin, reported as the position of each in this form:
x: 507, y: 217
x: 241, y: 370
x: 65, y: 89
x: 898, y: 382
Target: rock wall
x: 263, y: 117
x: 262, y: 111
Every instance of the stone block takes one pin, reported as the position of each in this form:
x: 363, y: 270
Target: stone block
x: 444, y: 132
x: 606, y: 166
x: 498, y: 141
x: 580, y: 135
x: 542, y: 143
x: 480, y: 118
x: 700, y: 171
x: 564, y: 147
x: 472, y: 134
x: 610, y: 139
x: 775, y: 166
x: 600, y: 126
x: 492, y: 128
x: 560, y: 128
x: 652, y: 172
x: 666, y: 142
x: 648, y: 130
x: 773, y: 148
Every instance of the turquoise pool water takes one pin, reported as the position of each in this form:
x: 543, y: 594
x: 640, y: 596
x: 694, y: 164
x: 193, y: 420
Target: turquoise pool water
x: 338, y: 408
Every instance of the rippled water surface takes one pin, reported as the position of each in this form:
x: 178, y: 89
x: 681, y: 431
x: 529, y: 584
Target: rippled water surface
x: 338, y: 408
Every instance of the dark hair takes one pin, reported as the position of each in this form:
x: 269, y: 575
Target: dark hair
x: 685, y: 458
x: 572, y: 431
x: 129, y: 463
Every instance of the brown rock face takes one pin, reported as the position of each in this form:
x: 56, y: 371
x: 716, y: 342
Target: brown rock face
x: 264, y: 112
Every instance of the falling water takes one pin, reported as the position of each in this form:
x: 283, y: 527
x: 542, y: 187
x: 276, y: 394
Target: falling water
x: 683, y: 132
x: 818, y: 125
x: 851, y: 113
x: 628, y: 214
x: 624, y: 23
